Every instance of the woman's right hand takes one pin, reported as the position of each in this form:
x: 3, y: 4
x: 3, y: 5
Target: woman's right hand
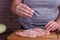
x: 22, y: 10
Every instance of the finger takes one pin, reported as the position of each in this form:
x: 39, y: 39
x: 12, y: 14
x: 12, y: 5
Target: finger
x: 47, y: 32
x: 23, y: 14
x: 51, y: 28
x: 52, y: 24
x: 54, y: 28
x: 25, y: 10
x: 49, y: 23
x: 26, y: 7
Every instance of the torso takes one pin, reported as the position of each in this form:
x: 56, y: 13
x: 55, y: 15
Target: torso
x: 45, y: 11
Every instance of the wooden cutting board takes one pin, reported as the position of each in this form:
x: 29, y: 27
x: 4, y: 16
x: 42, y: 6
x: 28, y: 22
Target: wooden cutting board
x: 13, y: 36
x: 58, y: 35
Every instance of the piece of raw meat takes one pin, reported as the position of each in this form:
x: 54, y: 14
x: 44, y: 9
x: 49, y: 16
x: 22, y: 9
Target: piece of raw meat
x: 40, y: 32
x: 33, y: 33
x: 27, y: 33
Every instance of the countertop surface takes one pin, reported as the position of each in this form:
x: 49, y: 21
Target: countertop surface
x: 53, y: 36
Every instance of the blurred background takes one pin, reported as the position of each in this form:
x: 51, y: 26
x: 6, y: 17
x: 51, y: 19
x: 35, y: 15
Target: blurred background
x: 7, y: 18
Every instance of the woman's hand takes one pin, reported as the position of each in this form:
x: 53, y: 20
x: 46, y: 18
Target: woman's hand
x: 52, y: 25
x: 22, y: 10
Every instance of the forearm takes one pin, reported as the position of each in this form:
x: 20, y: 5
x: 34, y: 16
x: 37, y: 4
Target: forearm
x: 58, y: 22
x: 58, y: 19
x: 17, y: 1
x: 14, y: 4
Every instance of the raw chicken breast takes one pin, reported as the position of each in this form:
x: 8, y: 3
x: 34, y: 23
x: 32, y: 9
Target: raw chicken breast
x: 40, y: 32
x: 33, y: 33
x: 27, y: 33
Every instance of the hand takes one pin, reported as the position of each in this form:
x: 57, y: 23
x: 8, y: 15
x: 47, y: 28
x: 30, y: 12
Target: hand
x: 52, y: 25
x: 22, y: 10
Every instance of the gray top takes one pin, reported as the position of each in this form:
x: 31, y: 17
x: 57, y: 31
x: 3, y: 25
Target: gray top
x: 45, y: 11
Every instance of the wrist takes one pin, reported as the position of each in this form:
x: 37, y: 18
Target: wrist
x: 17, y: 2
x: 58, y: 25
x: 59, y: 28
x: 14, y: 4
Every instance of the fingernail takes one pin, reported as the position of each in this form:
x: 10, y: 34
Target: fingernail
x: 32, y: 10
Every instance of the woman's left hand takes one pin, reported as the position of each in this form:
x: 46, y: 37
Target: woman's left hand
x: 51, y: 26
